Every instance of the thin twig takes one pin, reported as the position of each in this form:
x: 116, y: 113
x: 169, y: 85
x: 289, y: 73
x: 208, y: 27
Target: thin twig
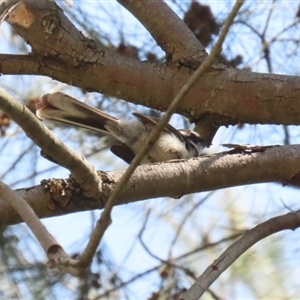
x: 140, y: 238
x: 83, y: 172
x: 105, y: 219
x: 232, y: 253
x: 55, y: 253
x: 6, y: 6
x: 26, y: 212
x: 17, y: 160
x: 185, y: 218
x: 136, y: 277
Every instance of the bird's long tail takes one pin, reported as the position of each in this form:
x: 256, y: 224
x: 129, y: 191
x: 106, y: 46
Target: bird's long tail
x: 63, y: 108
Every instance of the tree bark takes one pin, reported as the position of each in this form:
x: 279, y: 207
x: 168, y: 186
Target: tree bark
x: 225, y: 95
x: 171, y: 179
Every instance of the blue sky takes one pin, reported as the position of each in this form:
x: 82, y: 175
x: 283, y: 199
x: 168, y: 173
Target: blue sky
x: 245, y: 206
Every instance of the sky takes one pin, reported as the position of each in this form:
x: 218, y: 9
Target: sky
x: 261, y: 201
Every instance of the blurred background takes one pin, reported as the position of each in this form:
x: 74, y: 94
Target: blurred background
x: 190, y: 232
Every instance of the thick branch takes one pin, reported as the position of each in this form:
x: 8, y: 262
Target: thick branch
x: 168, y: 30
x: 171, y: 179
x: 228, y: 96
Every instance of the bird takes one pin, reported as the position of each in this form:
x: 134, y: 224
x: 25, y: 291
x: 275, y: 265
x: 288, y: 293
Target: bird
x: 132, y: 134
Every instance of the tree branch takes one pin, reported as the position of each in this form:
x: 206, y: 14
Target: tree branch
x: 6, y: 6
x: 55, y: 253
x: 25, y: 211
x: 83, y: 172
x: 168, y: 30
x: 251, y: 237
x: 171, y: 179
x: 256, y: 98
x: 105, y: 219
x: 253, y: 96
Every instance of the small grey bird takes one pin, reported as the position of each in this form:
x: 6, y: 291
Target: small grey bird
x: 132, y: 134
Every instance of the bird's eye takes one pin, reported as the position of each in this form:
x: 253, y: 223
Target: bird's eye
x: 195, y: 137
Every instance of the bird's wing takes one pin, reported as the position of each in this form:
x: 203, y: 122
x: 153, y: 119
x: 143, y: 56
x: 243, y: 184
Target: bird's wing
x: 123, y: 152
x: 153, y: 121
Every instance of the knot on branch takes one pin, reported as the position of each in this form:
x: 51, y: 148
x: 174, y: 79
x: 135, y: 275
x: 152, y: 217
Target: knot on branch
x: 50, y: 23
